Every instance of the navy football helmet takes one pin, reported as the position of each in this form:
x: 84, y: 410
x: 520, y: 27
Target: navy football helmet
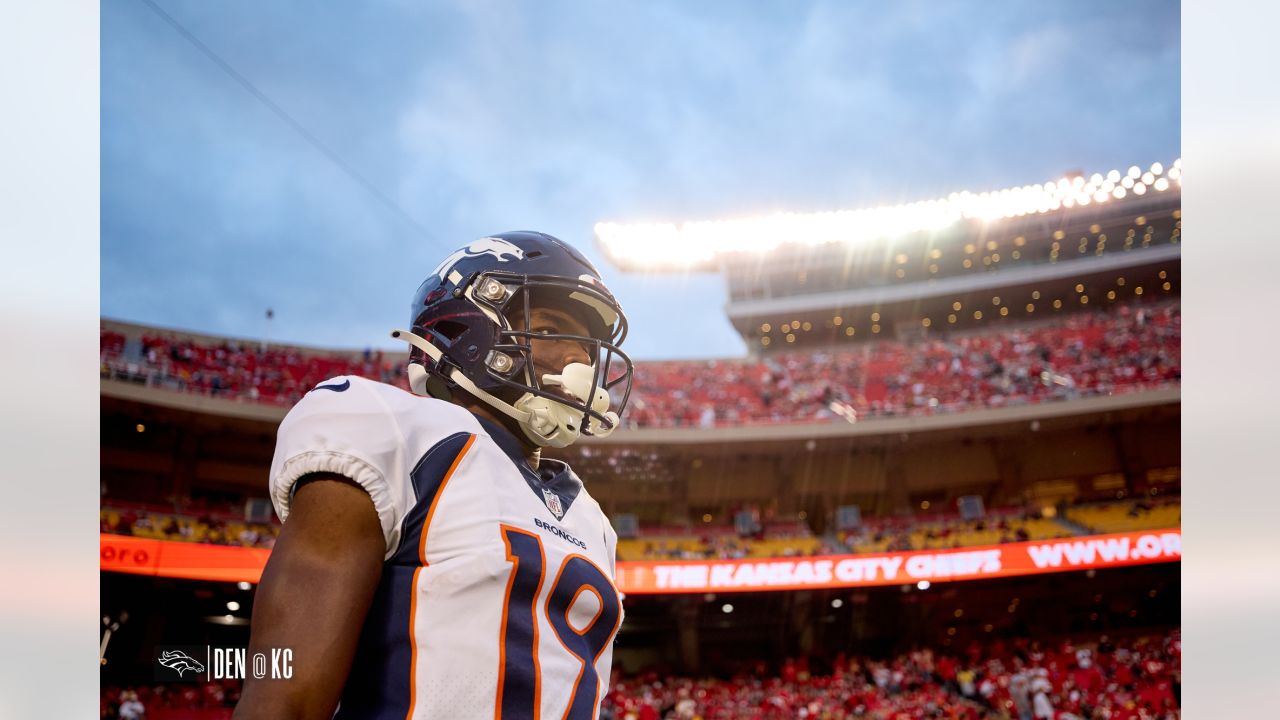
x: 463, y: 338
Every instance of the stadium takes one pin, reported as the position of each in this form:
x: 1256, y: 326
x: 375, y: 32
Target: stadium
x: 944, y: 482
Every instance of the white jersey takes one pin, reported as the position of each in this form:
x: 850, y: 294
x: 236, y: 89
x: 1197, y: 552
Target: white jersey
x: 497, y: 596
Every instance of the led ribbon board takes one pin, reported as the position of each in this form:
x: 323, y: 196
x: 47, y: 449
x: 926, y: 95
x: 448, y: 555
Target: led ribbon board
x: 198, y: 561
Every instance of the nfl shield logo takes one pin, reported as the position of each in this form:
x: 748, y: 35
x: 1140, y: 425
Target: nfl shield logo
x: 553, y: 503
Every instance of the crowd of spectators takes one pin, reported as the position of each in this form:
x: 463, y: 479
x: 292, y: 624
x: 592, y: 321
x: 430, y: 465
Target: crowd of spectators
x: 1085, y: 354
x: 235, y: 369
x: 226, y: 527
x: 724, y: 543
x: 1126, y: 348
x: 997, y: 527
x: 1101, y: 679
x: 902, y: 534
x: 1024, y: 680
x: 213, y: 700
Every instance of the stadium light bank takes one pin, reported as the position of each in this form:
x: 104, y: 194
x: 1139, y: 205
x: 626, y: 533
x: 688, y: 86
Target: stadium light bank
x: 642, y: 246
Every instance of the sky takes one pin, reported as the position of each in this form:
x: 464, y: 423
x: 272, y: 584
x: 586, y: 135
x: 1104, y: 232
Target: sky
x: 442, y: 122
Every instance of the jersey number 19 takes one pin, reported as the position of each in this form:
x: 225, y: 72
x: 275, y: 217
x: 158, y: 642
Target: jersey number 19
x: 519, y: 675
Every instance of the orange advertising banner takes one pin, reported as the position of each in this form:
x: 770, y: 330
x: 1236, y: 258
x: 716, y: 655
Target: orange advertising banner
x: 198, y: 561
x: 192, y: 561
x: 901, y: 568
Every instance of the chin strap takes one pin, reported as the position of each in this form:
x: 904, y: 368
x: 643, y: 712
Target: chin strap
x: 545, y: 421
x: 578, y: 380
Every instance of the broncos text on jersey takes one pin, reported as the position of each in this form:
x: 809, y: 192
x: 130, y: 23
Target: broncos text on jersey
x: 497, y: 596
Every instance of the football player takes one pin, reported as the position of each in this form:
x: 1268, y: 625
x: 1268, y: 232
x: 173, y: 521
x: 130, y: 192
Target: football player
x: 431, y: 563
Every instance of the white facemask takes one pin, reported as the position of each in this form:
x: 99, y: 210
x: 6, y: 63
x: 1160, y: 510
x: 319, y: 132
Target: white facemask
x: 546, y: 422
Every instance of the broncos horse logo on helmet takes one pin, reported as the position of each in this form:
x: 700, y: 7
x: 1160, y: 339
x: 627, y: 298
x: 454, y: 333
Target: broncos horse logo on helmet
x: 496, y: 247
x: 463, y: 338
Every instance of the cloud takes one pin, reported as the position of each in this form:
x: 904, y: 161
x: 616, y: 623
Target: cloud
x: 476, y: 117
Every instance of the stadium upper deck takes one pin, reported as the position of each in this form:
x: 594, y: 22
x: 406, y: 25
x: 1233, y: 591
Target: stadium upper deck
x: 1118, y: 348
x: 826, y: 277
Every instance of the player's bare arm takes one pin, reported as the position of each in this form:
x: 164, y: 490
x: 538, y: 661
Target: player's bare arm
x: 313, y: 598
